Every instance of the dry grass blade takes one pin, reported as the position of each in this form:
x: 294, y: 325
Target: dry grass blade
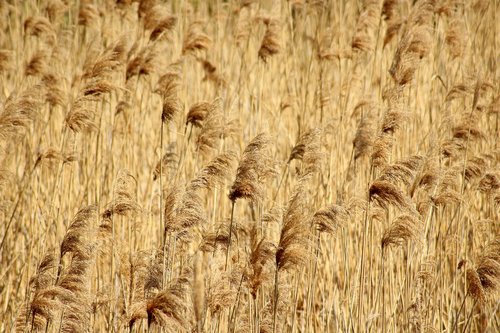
x: 198, y: 293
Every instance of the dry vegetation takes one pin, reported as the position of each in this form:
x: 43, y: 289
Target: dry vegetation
x: 249, y: 166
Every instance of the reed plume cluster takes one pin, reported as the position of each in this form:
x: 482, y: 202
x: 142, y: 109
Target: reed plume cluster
x: 249, y: 166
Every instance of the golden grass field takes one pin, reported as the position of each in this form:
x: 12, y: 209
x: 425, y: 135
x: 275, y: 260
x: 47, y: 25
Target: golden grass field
x: 250, y: 166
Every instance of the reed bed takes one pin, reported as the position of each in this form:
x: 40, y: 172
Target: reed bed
x: 249, y: 166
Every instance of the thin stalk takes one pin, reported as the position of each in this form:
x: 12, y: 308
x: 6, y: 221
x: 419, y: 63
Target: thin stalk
x: 383, y: 290
x: 276, y: 295
x: 469, y: 317
x: 310, y: 291
x: 256, y: 315
x: 162, y: 226
x: 295, y: 301
x: 455, y: 327
x: 232, y: 317
x: 363, y: 245
x: 230, y: 234
x: 285, y: 172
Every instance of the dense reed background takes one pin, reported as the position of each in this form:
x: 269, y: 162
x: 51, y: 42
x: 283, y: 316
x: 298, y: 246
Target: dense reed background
x: 249, y: 166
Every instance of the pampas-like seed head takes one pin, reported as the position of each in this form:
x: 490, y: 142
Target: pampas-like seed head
x: 306, y: 141
x: 159, y: 21
x: 490, y: 183
x: 212, y: 129
x: 54, y: 92
x: 215, y: 172
x: 81, y: 115
x: 169, y: 307
x: 143, y: 63
x: 382, y: 149
x: 124, y: 200
x: 43, y: 277
x: 18, y: 112
x: 88, y: 15
x: 270, y: 43
x: 166, y: 164
x: 403, y: 171
x: 413, y: 46
x: 102, y: 66
x: 40, y: 27
x: 255, y: 165
x: 183, y: 210
x: 212, y: 74
x: 5, y: 60
x: 196, y: 40
x: 54, y: 9
x: 363, y: 140
x: 261, y: 254
x: 198, y: 112
x: 292, y: 247
x: 330, y: 219
x: 488, y: 268
x: 447, y: 196
x: 385, y: 193
x: 475, y: 289
x: 75, y: 241
x: 167, y: 88
x: 367, y: 22
x: 37, y: 64
x: 404, y: 228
